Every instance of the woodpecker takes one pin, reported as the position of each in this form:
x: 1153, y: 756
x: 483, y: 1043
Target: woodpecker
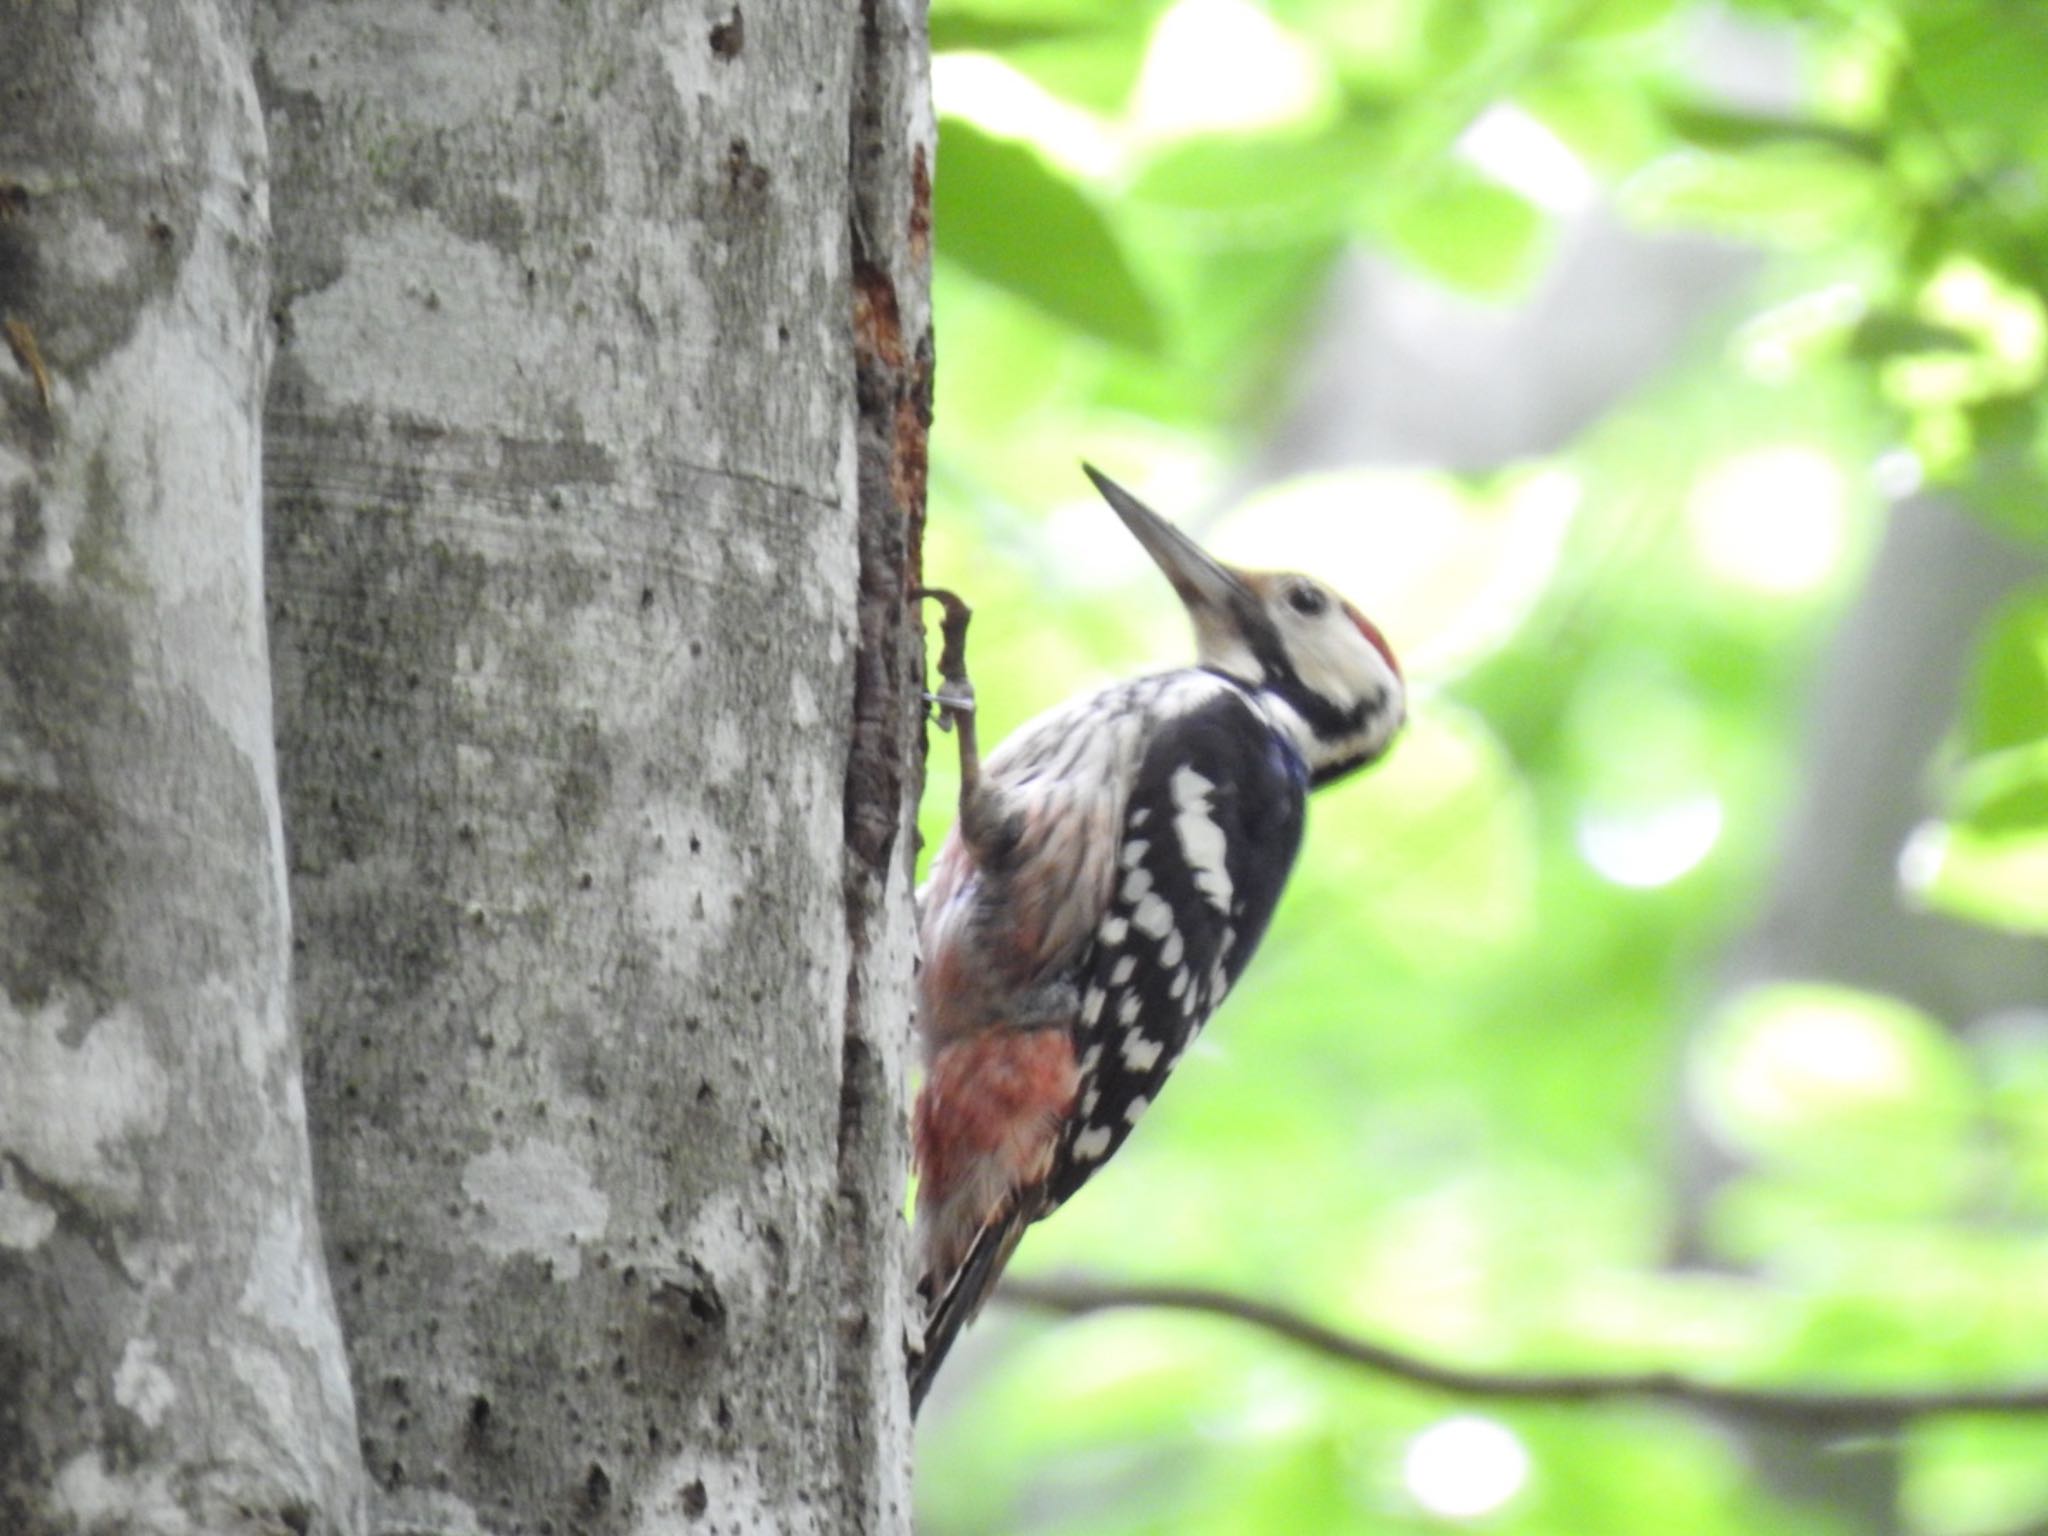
x: 1112, y: 868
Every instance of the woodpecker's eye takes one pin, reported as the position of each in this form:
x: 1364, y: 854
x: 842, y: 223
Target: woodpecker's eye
x: 1306, y: 600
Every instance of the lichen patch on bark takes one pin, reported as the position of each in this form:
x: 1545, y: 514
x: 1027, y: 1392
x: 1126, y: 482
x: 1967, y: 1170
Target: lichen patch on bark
x: 113, y: 1092
x: 535, y: 1198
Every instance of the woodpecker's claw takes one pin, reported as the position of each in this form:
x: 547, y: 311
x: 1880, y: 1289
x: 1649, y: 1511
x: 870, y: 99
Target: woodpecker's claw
x: 949, y: 707
x: 955, y: 700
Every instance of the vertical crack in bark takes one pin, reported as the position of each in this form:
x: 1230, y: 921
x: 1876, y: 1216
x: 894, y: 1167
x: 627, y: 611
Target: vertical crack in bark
x: 889, y: 218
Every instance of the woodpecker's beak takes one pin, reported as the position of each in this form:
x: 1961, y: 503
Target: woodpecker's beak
x: 1211, y: 590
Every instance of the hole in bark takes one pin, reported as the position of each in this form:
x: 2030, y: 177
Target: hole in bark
x: 695, y: 1499
x: 597, y: 1487
x: 479, y: 1413
x: 647, y: 597
x: 729, y: 36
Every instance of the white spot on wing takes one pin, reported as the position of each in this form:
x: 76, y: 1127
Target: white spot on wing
x: 1170, y: 950
x: 1134, y: 853
x: 1091, y: 1144
x: 1125, y: 965
x: 1201, y: 840
x: 1113, y: 930
x: 1127, y: 1011
x: 1136, y: 884
x: 1140, y: 1054
x: 1180, y: 983
x: 1135, y: 1108
x: 1154, y: 917
x: 1091, y: 1005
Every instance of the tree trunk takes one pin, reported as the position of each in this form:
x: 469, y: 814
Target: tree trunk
x: 169, y: 1360
x: 1885, y: 697
x: 592, y: 515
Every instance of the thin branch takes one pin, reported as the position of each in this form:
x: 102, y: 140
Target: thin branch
x: 1845, y: 1406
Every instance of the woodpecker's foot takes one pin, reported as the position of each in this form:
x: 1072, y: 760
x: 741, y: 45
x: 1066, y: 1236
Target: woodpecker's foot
x: 955, y: 698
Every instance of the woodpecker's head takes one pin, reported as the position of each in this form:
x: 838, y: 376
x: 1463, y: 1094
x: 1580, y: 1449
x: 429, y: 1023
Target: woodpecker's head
x: 1324, y: 673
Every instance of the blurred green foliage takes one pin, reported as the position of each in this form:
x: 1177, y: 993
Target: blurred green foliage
x: 1453, y: 1102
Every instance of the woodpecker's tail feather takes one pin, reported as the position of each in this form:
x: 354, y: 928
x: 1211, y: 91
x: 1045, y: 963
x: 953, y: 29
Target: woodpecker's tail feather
x: 953, y: 1308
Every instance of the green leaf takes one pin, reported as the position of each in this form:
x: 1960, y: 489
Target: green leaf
x: 966, y: 31
x: 1469, y: 233
x: 1718, y: 128
x: 1293, y: 184
x: 1978, y: 64
x: 1890, y: 333
x: 1009, y: 218
x: 1999, y: 879
x: 2008, y: 474
x: 1785, y: 194
x: 2007, y: 702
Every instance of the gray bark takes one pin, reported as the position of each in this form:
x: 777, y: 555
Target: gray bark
x: 592, y: 507
x: 169, y: 1359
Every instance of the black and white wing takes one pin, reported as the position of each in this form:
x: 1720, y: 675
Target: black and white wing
x: 1209, y: 835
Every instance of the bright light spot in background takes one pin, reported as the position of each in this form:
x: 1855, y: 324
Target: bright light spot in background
x: 1920, y: 858
x: 1896, y: 473
x: 1774, y: 520
x: 2006, y: 317
x: 1218, y: 66
x: 1010, y: 104
x: 1465, y: 1467
x: 1643, y: 849
x: 1816, y: 1061
x: 1447, y: 575
x: 1522, y: 154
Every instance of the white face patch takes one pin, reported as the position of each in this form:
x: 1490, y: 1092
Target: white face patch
x: 1091, y: 1144
x: 1140, y: 1054
x: 1201, y: 840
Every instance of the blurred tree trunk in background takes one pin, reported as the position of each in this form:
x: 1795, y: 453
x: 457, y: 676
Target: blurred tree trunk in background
x: 1885, y: 698
x: 169, y: 1359
x: 589, y: 543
